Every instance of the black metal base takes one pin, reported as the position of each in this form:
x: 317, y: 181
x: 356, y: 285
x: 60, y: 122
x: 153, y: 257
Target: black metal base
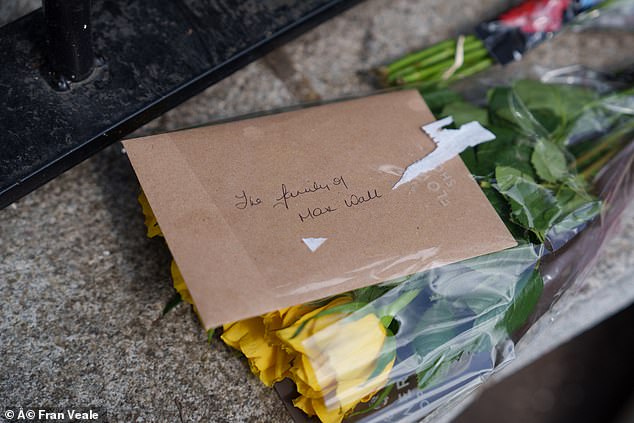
x: 157, y: 54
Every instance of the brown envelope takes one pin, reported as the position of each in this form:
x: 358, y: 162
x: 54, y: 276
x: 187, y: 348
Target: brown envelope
x: 241, y: 204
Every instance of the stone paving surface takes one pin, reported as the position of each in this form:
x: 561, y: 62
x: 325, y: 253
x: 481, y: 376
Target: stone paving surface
x: 83, y: 288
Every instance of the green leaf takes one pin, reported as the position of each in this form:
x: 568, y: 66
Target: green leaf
x: 468, y: 156
x: 498, y: 103
x: 549, y: 161
x: 370, y: 293
x: 508, y: 110
x: 173, y: 302
x: 533, y: 206
x: 571, y: 222
x: 435, y: 328
x: 507, y: 177
x: 537, y: 109
x: 437, y: 99
x: 503, y: 209
x: 572, y: 194
x: 473, y: 297
x: 577, y: 208
x: 527, y: 293
x: 436, y: 370
x: 463, y: 112
x: 498, y: 202
x: 507, y: 149
x: 346, y: 308
x: 376, y: 401
x: 434, y: 373
x: 563, y: 101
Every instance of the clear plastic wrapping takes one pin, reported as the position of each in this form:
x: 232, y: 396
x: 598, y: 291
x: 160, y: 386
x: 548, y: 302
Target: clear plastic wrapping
x: 523, y: 27
x: 502, y: 40
x: 559, y: 174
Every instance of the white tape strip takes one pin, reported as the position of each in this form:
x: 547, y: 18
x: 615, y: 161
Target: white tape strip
x: 458, y: 60
x: 449, y: 143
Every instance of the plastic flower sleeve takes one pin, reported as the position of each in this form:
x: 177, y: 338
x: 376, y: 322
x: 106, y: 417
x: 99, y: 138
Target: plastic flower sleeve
x: 447, y: 328
x: 457, y: 329
x: 566, y: 267
x: 523, y: 27
x: 559, y: 174
x: 437, y: 333
x: 612, y: 14
x: 502, y: 40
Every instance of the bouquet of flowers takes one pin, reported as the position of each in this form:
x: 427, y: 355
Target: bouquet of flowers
x: 501, y: 40
x: 558, y: 173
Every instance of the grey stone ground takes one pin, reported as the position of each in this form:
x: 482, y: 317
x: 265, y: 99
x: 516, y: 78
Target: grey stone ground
x: 83, y: 288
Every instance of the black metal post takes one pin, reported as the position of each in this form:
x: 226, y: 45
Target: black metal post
x: 159, y: 53
x: 70, y: 50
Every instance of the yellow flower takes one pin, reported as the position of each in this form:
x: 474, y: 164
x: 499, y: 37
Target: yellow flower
x: 153, y: 230
x: 255, y: 338
x: 151, y: 224
x: 335, y: 361
x: 179, y: 284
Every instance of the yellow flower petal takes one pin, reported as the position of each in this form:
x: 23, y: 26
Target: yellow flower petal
x: 234, y: 332
x: 330, y: 359
x: 346, y: 349
x: 179, y: 284
x: 291, y: 315
x: 278, y: 371
x: 272, y: 321
x: 335, y: 406
x: 267, y: 360
x: 304, y: 377
x: 336, y: 361
x: 352, y: 391
x: 258, y: 351
x: 328, y: 415
x: 305, y: 404
x: 151, y: 224
x: 294, y: 339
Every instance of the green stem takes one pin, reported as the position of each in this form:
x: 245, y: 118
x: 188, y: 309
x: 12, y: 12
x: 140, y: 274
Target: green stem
x: 589, y: 173
x: 447, y: 54
x: 475, y: 68
x: 417, y: 56
x: 421, y: 65
x: 469, y: 56
x: 605, y: 143
x: 424, y: 74
x: 400, y: 303
x: 429, y: 51
x: 435, y: 74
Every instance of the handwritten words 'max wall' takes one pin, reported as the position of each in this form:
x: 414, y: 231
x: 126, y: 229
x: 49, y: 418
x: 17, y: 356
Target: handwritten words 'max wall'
x: 294, y: 197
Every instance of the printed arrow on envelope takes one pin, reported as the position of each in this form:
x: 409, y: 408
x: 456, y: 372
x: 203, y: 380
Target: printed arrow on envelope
x: 314, y: 243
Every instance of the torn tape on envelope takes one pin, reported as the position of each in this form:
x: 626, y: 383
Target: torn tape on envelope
x: 449, y: 143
